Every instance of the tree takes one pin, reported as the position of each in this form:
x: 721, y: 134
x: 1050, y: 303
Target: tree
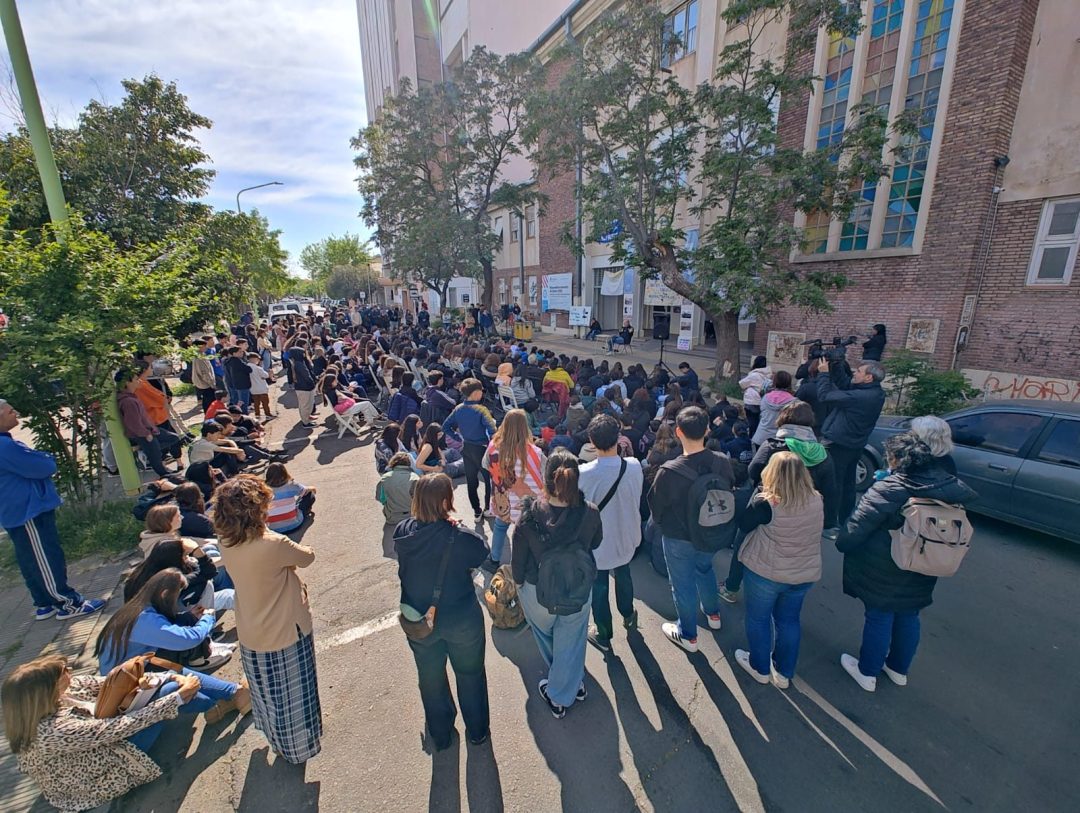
x: 134, y: 170
x: 436, y: 248
x: 348, y: 281
x: 77, y: 312
x: 447, y: 148
x: 321, y: 258
x: 646, y: 143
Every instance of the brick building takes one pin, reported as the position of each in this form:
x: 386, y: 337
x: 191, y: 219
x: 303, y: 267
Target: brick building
x: 976, y: 230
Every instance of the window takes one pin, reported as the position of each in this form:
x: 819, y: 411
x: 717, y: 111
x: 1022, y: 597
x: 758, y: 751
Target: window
x: 837, y: 86
x: 515, y: 228
x: 1063, y: 445
x: 680, y: 33
x: 530, y: 222
x: 1054, y: 255
x: 1005, y: 432
x: 497, y: 226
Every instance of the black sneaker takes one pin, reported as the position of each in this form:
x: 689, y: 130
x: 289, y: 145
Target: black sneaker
x: 557, y: 711
x: 603, y: 644
x: 489, y: 565
x: 481, y: 739
x: 582, y: 693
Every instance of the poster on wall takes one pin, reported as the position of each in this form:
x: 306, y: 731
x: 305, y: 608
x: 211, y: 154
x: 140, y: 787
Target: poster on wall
x: 686, y: 325
x: 922, y: 335
x: 532, y: 290
x: 785, y: 350
x: 656, y: 293
x: 580, y: 315
x: 628, y: 306
x: 555, y: 292
x: 612, y: 283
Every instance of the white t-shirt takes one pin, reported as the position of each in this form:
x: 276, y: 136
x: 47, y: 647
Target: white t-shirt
x: 620, y: 517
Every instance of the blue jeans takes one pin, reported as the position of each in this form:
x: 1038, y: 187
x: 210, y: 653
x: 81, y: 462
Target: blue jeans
x: 613, y: 341
x: 561, y: 640
x: 592, y: 334
x: 234, y: 394
x: 211, y: 690
x: 693, y: 579
x: 888, y: 639
x: 243, y: 398
x: 267, y: 360
x: 42, y: 564
x: 769, y: 603
x: 498, y: 539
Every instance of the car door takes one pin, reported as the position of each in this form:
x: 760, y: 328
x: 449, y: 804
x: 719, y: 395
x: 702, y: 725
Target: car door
x: 1046, y: 492
x: 989, y: 448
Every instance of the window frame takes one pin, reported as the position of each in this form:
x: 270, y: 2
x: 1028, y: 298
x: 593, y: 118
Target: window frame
x: 689, y: 36
x: 515, y: 228
x: 1044, y: 240
x: 530, y: 223
x: 1058, y: 424
x: 1021, y: 451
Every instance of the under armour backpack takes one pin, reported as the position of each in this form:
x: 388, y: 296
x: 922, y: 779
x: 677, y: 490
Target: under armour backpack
x: 934, y: 538
x: 711, y: 509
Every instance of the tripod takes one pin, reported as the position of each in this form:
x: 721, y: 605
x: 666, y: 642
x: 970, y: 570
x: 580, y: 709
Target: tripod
x: 661, y: 363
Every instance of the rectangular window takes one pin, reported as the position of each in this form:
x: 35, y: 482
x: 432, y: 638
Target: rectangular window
x: 497, y: 227
x: 530, y: 222
x: 1054, y: 255
x: 837, y: 87
x: 680, y: 33
x: 515, y: 228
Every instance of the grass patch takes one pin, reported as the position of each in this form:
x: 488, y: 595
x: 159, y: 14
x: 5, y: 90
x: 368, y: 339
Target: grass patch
x: 726, y: 386
x: 180, y: 389
x: 86, y: 530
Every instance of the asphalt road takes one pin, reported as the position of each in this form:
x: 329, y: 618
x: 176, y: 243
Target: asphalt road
x: 990, y: 720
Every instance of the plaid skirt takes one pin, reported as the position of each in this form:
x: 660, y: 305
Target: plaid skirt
x: 285, y: 698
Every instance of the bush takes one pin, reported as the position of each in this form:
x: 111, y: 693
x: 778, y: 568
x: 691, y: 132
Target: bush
x: 85, y: 530
x: 726, y: 386
x: 180, y: 389
x: 936, y: 392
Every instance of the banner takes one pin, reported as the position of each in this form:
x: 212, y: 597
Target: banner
x: 686, y: 325
x: 556, y: 292
x: 613, y: 282
x: 628, y: 306
x: 656, y: 293
x: 580, y: 315
x: 532, y: 290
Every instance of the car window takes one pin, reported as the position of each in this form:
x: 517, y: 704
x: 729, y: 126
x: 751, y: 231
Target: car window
x: 1063, y: 445
x: 995, y: 431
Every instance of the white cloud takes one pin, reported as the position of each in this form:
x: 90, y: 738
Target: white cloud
x: 281, y: 81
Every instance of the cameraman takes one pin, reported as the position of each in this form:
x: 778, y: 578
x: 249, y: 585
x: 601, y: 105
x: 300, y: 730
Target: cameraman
x: 854, y: 402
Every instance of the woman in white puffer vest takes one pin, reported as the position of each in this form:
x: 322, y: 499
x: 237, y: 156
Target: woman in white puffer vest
x: 782, y: 557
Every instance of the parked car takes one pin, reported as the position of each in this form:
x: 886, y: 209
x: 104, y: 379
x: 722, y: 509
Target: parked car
x: 278, y: 309
x: 1021, y: 457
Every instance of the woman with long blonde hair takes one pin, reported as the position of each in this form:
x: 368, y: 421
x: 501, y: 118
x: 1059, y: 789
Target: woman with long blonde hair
x: 782, y: 557
x: 516, y: 467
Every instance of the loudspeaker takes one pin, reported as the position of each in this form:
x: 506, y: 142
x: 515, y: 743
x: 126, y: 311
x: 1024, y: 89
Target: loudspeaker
x: 661, y: 326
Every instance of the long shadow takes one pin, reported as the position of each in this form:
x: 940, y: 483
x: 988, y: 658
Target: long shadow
x: 582, y: 749
x: 388, y: 551
x: 482, y: 782
x: 444, y: 795
x: 329, y: 446
x: 277, y: 786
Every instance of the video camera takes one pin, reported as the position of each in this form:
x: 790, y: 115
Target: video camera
x: 836, y: 350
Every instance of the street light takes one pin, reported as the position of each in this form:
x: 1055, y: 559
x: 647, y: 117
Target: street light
x: 249, y: 188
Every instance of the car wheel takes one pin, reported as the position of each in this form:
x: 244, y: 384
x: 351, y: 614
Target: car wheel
x: 864, y: 472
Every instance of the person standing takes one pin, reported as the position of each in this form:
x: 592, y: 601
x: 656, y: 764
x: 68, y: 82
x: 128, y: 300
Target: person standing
x: 202, y: 376
x: 557, y: 535
x: 613, y: 484
x: 690, y: 570
x: 752, y: 385
x: 303, y: 381
x: 771, y: 403
x: 239, y: 374
x: 477, y: 426
x: 782, y: 557
x: 516, y: 469
x: 874, y: 345
x: 28, y: 503
x: 854, y: 403
x: 435, y: 559
x: 273, y: 619
x: 892, y: 598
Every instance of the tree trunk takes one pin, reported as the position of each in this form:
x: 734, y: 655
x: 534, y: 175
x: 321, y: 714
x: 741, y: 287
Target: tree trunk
x: 726, y: 324
x: 489, y: 283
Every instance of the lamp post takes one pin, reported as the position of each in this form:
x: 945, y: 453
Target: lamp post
x: 249, y: 188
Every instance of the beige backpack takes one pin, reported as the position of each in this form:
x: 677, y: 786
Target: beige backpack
x: 501, y: 600
x: 934, y: 538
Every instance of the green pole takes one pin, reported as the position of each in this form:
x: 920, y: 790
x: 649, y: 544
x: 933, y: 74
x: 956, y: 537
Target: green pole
x: 54, y: 197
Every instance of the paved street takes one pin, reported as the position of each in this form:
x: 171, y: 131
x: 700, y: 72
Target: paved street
x: 988, y: 722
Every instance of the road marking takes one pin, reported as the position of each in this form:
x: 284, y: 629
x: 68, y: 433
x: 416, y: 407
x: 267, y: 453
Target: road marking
x: 383, y: 622
x: 901, y: 768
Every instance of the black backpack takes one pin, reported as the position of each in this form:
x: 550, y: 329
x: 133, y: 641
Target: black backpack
x: 711, y: 510
x: 565, y: 575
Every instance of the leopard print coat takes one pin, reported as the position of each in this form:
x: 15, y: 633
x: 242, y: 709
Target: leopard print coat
x: 80, y: 762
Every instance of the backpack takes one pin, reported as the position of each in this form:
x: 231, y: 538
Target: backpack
x: 501, y: 600
x: 711, y: 510
x: 934, y: 538
x: 565, y: 575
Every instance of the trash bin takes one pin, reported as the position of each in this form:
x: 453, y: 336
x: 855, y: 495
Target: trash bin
x: 523, y: 331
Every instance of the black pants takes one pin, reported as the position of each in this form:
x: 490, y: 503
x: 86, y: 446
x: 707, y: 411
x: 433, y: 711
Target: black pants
x: 601, y: 604
x: 473, y: 455
x: 844, y: 460
x: 206, y: 397
x: 459, y: 637
x: 158, y: 445
x: 753, y: 418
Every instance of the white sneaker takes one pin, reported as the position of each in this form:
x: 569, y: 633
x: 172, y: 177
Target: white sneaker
x: 851, y: 666
x: 672, y: 633
x: 215, y: 660
x: 217, y: 648
x: 779, y: 681
x: 714, y: 621
x: 742, y: 657
x: 895, y: 677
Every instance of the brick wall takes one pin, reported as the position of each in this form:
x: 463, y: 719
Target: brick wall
x: 993, y: 44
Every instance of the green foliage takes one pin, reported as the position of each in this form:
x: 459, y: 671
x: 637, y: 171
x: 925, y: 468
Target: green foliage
x: 347, y: 281
x: 78, y: 310
x: 435, y: 161
x: 85, y: 530
x: 928, y: 391
x: 321, y: 258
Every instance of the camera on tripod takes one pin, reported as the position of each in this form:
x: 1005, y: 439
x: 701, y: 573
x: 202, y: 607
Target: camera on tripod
x: 835, y: 350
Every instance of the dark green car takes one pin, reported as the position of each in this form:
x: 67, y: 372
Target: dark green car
x: 1021, y: 457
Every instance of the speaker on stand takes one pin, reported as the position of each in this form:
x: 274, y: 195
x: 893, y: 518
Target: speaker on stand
x: 662, y: 330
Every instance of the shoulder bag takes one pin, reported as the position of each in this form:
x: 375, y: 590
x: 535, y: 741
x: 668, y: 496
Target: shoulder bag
x: 419, y: 630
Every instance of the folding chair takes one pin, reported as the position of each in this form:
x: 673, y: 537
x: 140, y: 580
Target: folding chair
x: 507, y: 400
x: 346, y: 421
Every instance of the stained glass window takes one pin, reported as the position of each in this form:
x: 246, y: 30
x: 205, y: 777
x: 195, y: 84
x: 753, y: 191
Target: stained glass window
x: 837, y: 87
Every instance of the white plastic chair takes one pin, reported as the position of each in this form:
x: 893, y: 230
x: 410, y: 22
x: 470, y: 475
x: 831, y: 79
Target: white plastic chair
x: 507, y: 399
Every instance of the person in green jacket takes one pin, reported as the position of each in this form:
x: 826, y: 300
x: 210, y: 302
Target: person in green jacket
x: 394, y: 489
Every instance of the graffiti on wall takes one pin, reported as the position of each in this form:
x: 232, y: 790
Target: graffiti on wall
x: 1018, y: 385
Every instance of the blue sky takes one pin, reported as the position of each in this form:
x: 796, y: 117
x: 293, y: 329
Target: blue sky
x: 280, y: 79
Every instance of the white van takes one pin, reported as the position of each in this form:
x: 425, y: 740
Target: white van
x: 282, y: 309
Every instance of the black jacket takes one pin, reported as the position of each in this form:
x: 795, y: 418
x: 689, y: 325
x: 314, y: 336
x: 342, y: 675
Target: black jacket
x: 567, y: 527
x: 869, y: 571
x: 239, y: 372
x: 808, y: 393
x: 853, y: 408
x: 192, y: 523
x: 420, y: 547
x: 670, y: 494
x: 302, y: 371
x: 872, y: 349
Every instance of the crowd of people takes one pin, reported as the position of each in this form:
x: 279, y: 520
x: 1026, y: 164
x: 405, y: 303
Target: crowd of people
x: 583, y: 464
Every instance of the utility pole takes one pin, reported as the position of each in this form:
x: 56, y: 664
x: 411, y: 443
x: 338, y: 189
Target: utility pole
x: 54, y: 197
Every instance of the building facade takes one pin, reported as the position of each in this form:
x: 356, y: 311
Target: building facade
x: 398, y: 40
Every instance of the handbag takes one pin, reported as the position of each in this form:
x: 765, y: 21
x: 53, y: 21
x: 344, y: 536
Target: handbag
x: 419, y: 630
x: 125, y: 682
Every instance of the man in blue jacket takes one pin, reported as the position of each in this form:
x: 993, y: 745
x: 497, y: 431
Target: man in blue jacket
x: 476, y: 425
x: 28, y: 503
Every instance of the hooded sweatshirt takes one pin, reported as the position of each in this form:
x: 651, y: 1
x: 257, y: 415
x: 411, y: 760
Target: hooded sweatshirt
x: 771, y: 404
x: 802, y: 441
x: 753, y: 384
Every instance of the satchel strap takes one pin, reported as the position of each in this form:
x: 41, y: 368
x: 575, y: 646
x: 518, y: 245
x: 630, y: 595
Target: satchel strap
x: 441, y: 577
x: 614, y: 486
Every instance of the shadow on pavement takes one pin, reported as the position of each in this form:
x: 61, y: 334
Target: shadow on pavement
x: 482, y: 782
x: 388, y: 551
x: 445, y: 793
x: 277, y: 786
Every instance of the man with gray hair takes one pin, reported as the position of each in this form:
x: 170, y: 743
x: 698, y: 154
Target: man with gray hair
x: 854, y: 404
x: 28, y: 503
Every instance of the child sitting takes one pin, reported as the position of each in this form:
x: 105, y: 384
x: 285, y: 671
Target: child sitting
x: 561, y: 438
x: 548, y: 432
x: 292, y: 501
x: 587, y: 398
x: 395, y: 487
x: 531, y: 408
x: 216, y: 406
x: 576, y: 415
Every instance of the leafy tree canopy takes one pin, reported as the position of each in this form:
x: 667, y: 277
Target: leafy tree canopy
x: 321, y: 258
